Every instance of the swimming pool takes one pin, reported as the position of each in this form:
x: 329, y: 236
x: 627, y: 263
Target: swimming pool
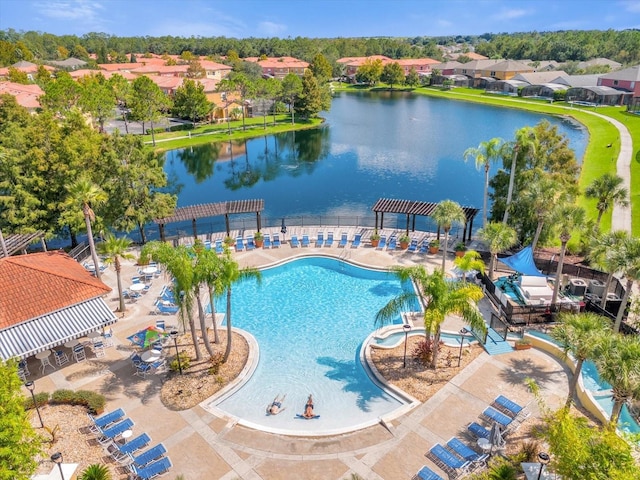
x: 394, y: 339
x: 310, y: 317
x: 510, y: 289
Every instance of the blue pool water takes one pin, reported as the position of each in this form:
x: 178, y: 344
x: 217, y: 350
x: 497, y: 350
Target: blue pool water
x: 396, y: 338
x: 310, y: 317
x: 510, y: 290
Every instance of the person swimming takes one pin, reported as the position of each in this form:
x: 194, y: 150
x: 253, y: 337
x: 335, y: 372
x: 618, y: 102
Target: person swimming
x: 308, y: 408
x: 276, y: 406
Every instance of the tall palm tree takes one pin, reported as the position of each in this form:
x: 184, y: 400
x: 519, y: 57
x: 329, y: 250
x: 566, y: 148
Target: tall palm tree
x: 579, y: 334
x: 446, y: 213
x: 208, y: 270
x: 232, y: 273
x: 629, y: 259
x: 485, y: 153
x: 443, y: 298
x: 567, y: 218
x: 470, y: 261
x: 499, y: 237
x: 618, y: 361
x: 85, y: 194
x: 203, y: 267
x: 605, y: 254
x: 527, y: 142
x: 114, y: 249
x: 543, y: 195
x: 607, y: 190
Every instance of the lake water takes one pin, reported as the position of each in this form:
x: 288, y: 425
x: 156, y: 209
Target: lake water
x: 373, y: 145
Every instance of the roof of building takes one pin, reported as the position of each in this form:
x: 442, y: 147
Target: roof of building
x: 85, y: 72
x: 415, y: 61
x: 160, y: 69
x: 26, y: 95
x: 480, y: 64
x: 447, y: 65
x: 600, y: 61
x: 631, y: 74
x: 68, y: 63
x: 577, y: 80
x: 24, y: 64
x: 40, y: 283
x: 603, y: 90
x: 114, y: 67
x: 535, y: 78
x: 511, y: 66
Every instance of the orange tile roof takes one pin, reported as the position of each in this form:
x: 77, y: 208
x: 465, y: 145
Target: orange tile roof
x: 26, y: 95
x: 112, y: 67
x: 160, y: 69
x: 39, y: 283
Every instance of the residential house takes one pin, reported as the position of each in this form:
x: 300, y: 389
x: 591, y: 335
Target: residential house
x: 474, y: 68
x: 446, y: 68
x: 27, y: 67
x: 613, y: 65
x: 505, y: 70
x: 422, y: 66
x: 534, y: 78
x: 353, y: 63
x: 68, y: 64
x: 280, y: 67
x: 471, y: 55
x: 627, y: 79
x: 26, y: 95
x: 578, y: 80
x: 599, y: 95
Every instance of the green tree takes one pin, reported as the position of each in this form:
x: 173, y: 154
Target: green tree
x: 629, y: 260
x: 196, y: 70
x: 114, y: 249
x: 369, y: 72
x: 443, y: 298
x: 96, y: 98
x: 525, y: 141
x: 85, y: 194
x: 606, y: 254
x: 579, y: 334
x: 470, y: 261
x: 191, y: 102
x: 618, y: 361
x: 43, y: 76
x: 19, y: 443
x: 17, y: 76
x: 498, y: 238
x: 321, y: 68
x: 96, y: 471
x: 543, y: 194
x: 607, y: 190
x: 291, y: 89
x: 485, y: 153
x: 310, y: 100
x: 147, y: 102
x: 61, y: 94
x: 209, y: 272
x: 446, y: 213
x: 567, y: 218
x: 412, y: 79
x: 121, y: 90
x: 392, y: 74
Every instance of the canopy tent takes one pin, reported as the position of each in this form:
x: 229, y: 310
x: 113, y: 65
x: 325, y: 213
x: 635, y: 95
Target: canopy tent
x: 522, y: 262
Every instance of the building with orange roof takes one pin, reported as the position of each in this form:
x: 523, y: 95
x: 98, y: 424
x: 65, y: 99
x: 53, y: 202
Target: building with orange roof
x: 26, y: 95
x: 47, y: 299
x: 422, y: 66
x: 280, y: 67
x: 27, y: 67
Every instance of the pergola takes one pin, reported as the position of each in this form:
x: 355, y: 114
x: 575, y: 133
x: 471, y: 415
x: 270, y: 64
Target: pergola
x: 412, y: 208
x: 19, y: 242
x: 207, y: 210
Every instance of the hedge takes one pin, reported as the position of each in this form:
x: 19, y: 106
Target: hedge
x: 94, y: 402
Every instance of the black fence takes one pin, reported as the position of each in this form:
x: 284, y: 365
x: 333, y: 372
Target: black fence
x: 80, y: 252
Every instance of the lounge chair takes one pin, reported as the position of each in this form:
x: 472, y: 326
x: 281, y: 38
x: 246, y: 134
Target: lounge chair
x: 447, y: 461
x: 493, y: 415
x: 343, y: 240
x: 329, y: 241
x: 382, y: 243
x: 413, y: 246
x: 305, y: 241
x: 393, y: 243
x: 466, y: 452
x: 266, y: 243
x: 425, y: 473
x: 295, y: 243
x: 276, y: 240
x: 107, y: 435
x: 142, y: 370
x: 320, y: 239
x: 357, y: 239
x: 239, y: 244
x: 218, y: 247
x: 164, y: 307
x: 105, y: 420
x: 148, y: 456
x: 506, y: 406
x: 478, y: 430
x: 135, y: 444
x: 153, y: 470
x: 251, y: 245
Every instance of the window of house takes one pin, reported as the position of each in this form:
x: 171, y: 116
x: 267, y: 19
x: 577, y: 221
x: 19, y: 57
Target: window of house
x: 615, y: 82
x: 493, y: 74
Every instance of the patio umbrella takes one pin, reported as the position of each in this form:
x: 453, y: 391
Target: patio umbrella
x: 495, y: 436
x: 147, y: 337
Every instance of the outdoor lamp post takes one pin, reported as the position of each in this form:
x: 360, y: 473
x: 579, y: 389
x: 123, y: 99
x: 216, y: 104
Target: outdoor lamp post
x: 407, y: 328
x: 544, y: 459
x: 463, y: 332
x: 174, y: 334
x: 31, y: 387
x: 57, y: 458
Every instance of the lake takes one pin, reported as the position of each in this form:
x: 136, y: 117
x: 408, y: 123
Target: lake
x: 373, y: 145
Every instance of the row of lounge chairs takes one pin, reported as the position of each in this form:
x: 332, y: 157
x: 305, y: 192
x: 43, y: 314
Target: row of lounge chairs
x: 145, y: 465
x: 506, y: 413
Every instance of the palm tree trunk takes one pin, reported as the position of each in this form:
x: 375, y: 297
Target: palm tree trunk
x: 92, y: 245
x: 194, y: 334
x: 118, y: 267
x: 556, y: 284
x: 537, y: 235
x: 216, y: 339
x: 623, y: 306
x: 600, y: 213
x: 512, y: 177
x: 573, y: 384
x: 435, y: 349
x: 492, y: 264
x: 486, y: 195
x: 616, y: 409
x: 227, y: 351
x: 444, y: 250
x: 607, y: 285
x: 203, y: 325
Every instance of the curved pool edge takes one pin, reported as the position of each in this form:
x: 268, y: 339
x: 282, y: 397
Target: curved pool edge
x: 389, y: 330
x: 310, y: 253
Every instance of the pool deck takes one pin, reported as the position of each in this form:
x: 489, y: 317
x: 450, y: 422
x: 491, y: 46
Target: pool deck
x: 203, y: 446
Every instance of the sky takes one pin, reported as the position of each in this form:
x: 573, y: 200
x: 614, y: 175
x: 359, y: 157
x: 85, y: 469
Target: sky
x: 314, y: 18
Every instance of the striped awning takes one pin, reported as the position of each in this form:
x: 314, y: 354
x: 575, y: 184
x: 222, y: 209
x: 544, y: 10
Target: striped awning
x: 49, y: 331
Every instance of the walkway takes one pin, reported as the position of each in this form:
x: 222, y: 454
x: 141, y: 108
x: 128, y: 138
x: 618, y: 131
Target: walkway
x: 203, y: 446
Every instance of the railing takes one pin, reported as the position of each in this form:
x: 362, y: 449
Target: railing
x: 80, y: 252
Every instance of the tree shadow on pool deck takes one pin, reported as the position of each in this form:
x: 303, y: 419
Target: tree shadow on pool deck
x: 346, y: 372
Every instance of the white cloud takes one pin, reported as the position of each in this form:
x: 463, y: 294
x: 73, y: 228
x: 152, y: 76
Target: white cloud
x: 271, y: 29
x: 511, y: 14
x: 632, y: 6
x: 86, y: 10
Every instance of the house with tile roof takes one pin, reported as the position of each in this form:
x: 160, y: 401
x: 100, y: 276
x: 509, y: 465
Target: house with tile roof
x: 27, y: 67
x: 505, y: 70
x: 627, y: 79
x: 26, y: 95
x: 47, y: 299
x: 422, y: 66
x: 280, y: 67
x: 598, y: 62
x: 474, y: 68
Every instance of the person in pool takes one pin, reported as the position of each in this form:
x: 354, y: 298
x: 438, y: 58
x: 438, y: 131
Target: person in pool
x: 276, y: 406
x: 308, y: 408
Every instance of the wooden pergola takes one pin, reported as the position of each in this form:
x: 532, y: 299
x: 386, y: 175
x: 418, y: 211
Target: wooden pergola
x: 14, y: 243
x: 207, y: 210
x: 413, y: 208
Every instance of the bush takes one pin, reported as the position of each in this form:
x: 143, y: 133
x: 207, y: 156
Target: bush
x: 42, y: 398
x: 424, y: 350
x: 185, y: 362
x: 96, y: 472
x: 183, y: 126
x: 216, y: 363
x: 63, y: 397
x: 94, y: 402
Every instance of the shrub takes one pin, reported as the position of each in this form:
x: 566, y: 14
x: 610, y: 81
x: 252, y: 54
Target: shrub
x: 63, y: 397
x: 216, y: 363
x: 96, y: 472
x: 94, y: 402
x: 424, y: 350
x: 185, y: 362
x: 42, y: 398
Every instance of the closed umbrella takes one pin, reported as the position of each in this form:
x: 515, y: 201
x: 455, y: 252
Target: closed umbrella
x: 495, y: 437
x: 283, y: 229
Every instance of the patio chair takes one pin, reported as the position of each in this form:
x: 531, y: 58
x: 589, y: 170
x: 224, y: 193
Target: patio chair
x: 508, y: 407
x: 105, y: 420
x: 357, y: 240
x: 305, y: 241
x: 218, y: 246
x: 61, y: 357
x: 160, y: 324
x: 294, y: 242
x: 135, y: 444
x: 79, y: 353
x: 266, y: 241
x: 153, y: 470
x: 447, y: 461
x: 320, y: 239
x: 251, y: 245
x: 343, y: 240
x: 107, y: 435
x: 382, y: 244
x: 392, y: 245
x: 142, y: 370
x: 413, y: 246
x: 425, y: 473
x: 98, y: 349
x: 276, y: 240
x: 466, y: 452
x: 239, y: 244
x: 329, y: 241
x: 424, y: 247
x: 478, y: 430
x: 148, y: 456
x: 108, y: 338
x: 490, y: 414
x: 136, y: 359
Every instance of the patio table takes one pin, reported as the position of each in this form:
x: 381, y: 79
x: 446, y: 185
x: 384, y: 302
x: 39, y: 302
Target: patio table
x: 72, y: 343
x: 150, y: 356
x: 44, y: 360
x: 137, y: 287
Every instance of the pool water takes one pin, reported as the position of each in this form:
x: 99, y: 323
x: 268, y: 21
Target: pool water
x: 394, y: 339
x: 310, y: 317
x: 509, y: 288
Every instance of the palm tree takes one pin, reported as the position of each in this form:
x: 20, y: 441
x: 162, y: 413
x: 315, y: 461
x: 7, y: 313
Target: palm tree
x: 443, y: 298
x: 484, y: 154
x: 618, y: 361
x: 230, y: 274
x: 579, y: 334
x: 470, y: 261
x: 446, y: 213
x: 567, y: 218
x: 527, y: 142
x: 114, y: 249
x: 605, y: 254
x: 607, y: 190
x: 543, y: 195
x: 86, y: 194
x: 208, y: 271
x: 499, y: 237
x: 629, y: 258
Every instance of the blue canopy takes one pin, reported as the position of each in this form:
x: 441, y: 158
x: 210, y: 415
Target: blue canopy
x: 522, y: 262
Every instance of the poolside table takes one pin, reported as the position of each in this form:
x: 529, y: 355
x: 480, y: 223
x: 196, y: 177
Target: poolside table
x: 137, y: 287
x: 150, y: 356
x: 44, y: 360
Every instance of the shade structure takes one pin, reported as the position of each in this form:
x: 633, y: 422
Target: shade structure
x: 522, y: 262
x: 147, y: 337
x: 495, y: 436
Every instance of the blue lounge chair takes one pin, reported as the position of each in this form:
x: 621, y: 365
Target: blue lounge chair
x: 239, y: 244
x: 250, y: 244
x: 413, y: 246
x: 329, y: 241
x: 167, y: 308
x: 382, y: 243
x: 107, y: 435
x: 105, y: 420
x: 391, y: 246
x: 491, y: 414
x: 276, y: 240
x: 478, y: 430
x: 266, y: 243
x: 148, y: 456
x: 424, y: 248
x: 218, y: 246
x: 295, y: 243
x: 357, y: 239
x: 447, y: 461
x: 305, y: 241
x: 153, y: 470
x: 343, y: 240
x: 506, y: 406
x: 135, y: 444
x: 466, y: 452
x: 425, y: 473
x: 320, y: 239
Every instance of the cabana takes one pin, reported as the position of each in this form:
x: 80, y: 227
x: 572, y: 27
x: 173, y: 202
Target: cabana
x: 595, y: 96
x: 506, y: 87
